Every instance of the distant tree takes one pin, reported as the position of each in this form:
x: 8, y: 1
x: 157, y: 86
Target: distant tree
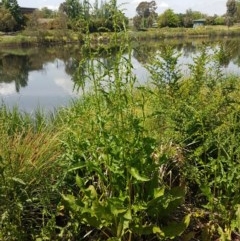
x: 168, y: 19
x: 47, y: 13
x: 146, y: 12
x: 145, y: 9
x: 33, y: 21
x: 7, y: 21
x: 72, y: 8
x: 82, y: 16
x: 13, y: 7
x: 137, y: 21
x: 231, y: 8
x: 231, y: 12
x: 181, y: 19
x: 191, y: 15
x: 238, y: 12
x: 219, y: 20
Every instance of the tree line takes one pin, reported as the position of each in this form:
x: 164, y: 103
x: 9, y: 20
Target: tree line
x: 78, y: 15
x: 147, y: 17
x: 103, y: 15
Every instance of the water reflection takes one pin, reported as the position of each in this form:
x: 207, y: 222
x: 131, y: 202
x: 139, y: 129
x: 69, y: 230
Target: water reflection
x: 14, y: 68
x: 46, y: 77
x: 38, y: 77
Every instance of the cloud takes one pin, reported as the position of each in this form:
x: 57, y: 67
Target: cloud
x: 66, y: 84
x: 163, y: 5
x: 7, y: 89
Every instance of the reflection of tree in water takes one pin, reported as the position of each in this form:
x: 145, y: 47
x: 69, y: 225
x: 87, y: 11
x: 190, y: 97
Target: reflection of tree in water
x: 145, y: 50
x: 101, y: 65
x: 188, y: 49
x: 231, y: 48
x: 14, y: 68
x: 142, y: 53
x: 71, y: 65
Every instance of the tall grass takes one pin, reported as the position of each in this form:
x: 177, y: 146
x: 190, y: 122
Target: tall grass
x: 185, y: 33
x: 30, y: 173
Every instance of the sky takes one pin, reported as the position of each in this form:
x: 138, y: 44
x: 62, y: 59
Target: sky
x: 210, y: 7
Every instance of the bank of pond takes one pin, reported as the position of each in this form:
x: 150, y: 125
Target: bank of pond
x: 43, y: 37
x: 128, y: 159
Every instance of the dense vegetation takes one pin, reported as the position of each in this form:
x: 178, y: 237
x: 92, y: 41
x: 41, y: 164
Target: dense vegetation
x: 147, y: 17
x: 126, y: 161
x: 84, y: 16
x: 76, y: 15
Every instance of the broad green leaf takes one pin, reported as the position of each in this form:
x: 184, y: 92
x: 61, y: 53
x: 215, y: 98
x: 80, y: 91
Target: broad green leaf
x: 77, y: 167
x: 142, y: 229
x: 18, y: 180
x: 128, y: 215
x: 79, y: 181
x: 187, y: 220
x: 175, y: 229
x: 68, y: 198
x: 70, y: 201
x: 135, y: 173
x: 120, y: 228
x: 116, y: 211
x: 236, y: 222
x: 157, y: 230
x: 158, y: 192
x: 139, y: 207
x: 91, y: 192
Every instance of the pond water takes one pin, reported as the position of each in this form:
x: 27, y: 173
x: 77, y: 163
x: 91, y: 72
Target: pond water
x: 34, y: 78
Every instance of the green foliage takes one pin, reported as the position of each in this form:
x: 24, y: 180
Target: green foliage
x: 47, y: 13
x: 231, y: 12
x: 72, y: 8
x: 146, y: 15
x: 127, y: 161
x: 13, y: 7
x: 164, y: 69
x: 189, y: 16
x: 168, y: 19
x: 115, y: 164
x: 231, y: 8
x: 219, y: 21
x: 29, y: 176
x: 81, y: 16
x: 7, y: 21
x: 201, y: 116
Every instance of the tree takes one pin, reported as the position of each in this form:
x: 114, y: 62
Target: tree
x: 146, y: 12
x: 72, y: 8
x: 238, y: 12
x: 219, y: 20
x: 13, y: 7
x: 7, y: 21
x: 231, y: 12
x: 191, y: 15
x: 137, y: 22
x: 47, y: 13
x: 168, y: 19
x: 145, y: 9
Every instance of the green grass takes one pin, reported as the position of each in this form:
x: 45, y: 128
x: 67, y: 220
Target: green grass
x: 168, y: 33
x: 31, y: 38
x: 41, y: 37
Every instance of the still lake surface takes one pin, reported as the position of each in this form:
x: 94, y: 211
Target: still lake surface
x: 32, y: 78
